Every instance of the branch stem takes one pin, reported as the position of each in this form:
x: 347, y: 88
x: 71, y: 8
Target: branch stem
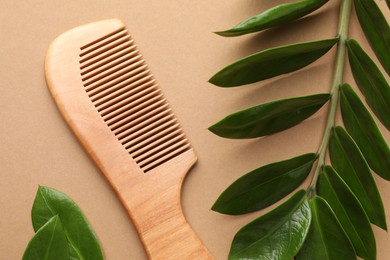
x: 343, y: 30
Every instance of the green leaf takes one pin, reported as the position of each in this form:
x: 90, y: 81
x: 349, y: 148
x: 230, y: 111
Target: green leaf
x: 349, y: 162
x: 326, y: 239
x: 49, y: 243
x: 81, y: 238
x: 269, y: 118
x: 264, y: 186
x: 376, y: 29
x: 272, y: 62
x: 275, y: 16
x: 348, y: 211
x: 276, y: 235
x: 363, y: 129
x: 370, y: 81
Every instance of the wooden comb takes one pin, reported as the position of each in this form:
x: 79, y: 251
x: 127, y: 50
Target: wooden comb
x: 111, y: 101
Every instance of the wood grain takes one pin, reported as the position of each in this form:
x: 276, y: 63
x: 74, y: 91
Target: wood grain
x: 152, y: 199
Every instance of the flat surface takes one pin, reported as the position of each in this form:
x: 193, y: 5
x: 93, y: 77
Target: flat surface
x: 176, y: 39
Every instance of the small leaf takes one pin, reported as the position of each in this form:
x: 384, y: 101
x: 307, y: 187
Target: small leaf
x: 269, y: 118
x: 264, y: 186
x: 81, y: 238
x: 348, y: 211
x: 326, y: 239
x: 275, y: 16
x: 376, y: 29
x: 370, y: 81
x: 363, y: 129
x: 272, y: 62
x: 49, y: 243
x: 350, y: 164
x: 276, y: 235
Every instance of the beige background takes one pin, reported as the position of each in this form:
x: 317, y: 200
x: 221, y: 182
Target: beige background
x: 175, y: 37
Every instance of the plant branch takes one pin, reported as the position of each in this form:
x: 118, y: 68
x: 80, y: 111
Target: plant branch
x: 343, y: 29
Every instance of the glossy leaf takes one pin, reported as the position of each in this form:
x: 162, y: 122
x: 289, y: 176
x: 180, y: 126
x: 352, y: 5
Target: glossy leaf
x: 275, y: 16
x: 49, y: 243
x: 370, y: 81
x: 352, y: 167
x: 363, y: 129
x: 276, y: 235
x: 271, y: 62
x: 264, y: 186
x: 326, y: 239
x: 269, y: 118
x: 81, y: 238
x: 376, y: 29
x: 349, y: 212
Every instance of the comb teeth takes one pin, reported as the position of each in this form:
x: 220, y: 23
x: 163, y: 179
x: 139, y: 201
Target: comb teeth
x: 126, y: 95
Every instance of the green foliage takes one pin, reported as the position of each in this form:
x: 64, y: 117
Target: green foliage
x: 285, y: 226
x: 326, y: 239
x: 269, y: 118
x: 256, y: 189
x: 276, y: 16
x: 370, y: 81
x: 363, y: 129
x: 343, y: 198
x: 376, y: 29
x: 349, y: 212
x: 271, y: 63
x: 48, y: 243
x: 62, y: 231
x: 352, y: 167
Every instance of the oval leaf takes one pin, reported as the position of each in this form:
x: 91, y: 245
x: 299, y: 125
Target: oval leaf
x: 272, y: 62
x: 264, y: 186
x: 276, y: 235
x: 351, y: 166
x: 348, y: 211
x: 269, y: 118
x: 363, y: 129
x: 370, y: 81
x: 275, y: 16
x: 326, y: 239
x: 376, y: 29
x: 81, y: 238
x: 49, y: 243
